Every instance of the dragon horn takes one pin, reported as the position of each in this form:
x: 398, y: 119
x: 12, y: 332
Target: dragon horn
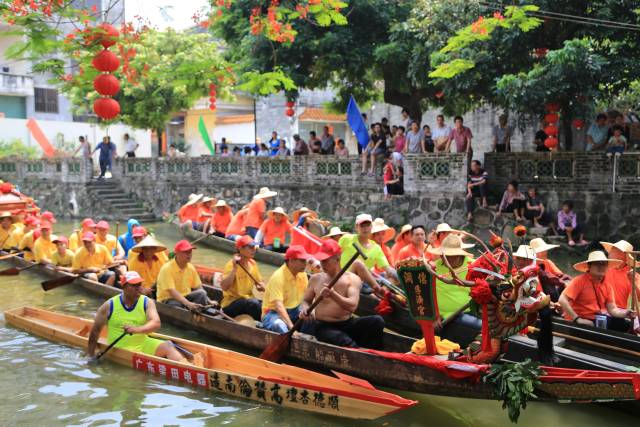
x: 486, y: 248
x: 509, y: 256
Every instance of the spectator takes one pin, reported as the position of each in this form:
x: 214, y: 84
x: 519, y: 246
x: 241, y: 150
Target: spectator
x: 617, y: 143
x: 502, y: 136
x: 85, y: 147
x: 341, y: 149
x: 237, y: 152
x: 264, y: 151
x: 619, y: 121
x: 512, y: 201
x: 301, y: 148
x: 173, y: 152
x: 568, y: 224
x: 476, y: 187
x: 248, y: 152
x: 462, y: 136
x: 107, y: 154
x: 283, y: 150
x: 327, y: 143
x: 224, y: 151
x: 429, y: 146
x: 384, y: 124
x: 316, y: 148
x: 441, y: 136
x: 534, y: 208
x: 274, y: 143
x: 399, y: 140
x: 406, y: 118
x: 366, y: 125
x: 312, y: 138
x: 392, y: 175
x: 377, y: 147
x: 415, y: 141
x: 130, y: 145
x: 394, y: 130
x: 540, y: 138
x: 597, y: 133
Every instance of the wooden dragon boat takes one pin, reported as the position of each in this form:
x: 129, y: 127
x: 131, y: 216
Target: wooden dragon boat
x: 434, y: 376
x: 229, y: 372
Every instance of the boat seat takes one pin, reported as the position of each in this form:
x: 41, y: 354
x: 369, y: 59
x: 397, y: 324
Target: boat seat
x: 84, y: 331
x: 198, y: 360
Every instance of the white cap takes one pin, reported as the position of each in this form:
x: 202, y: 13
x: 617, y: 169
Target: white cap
x: 363, y: 218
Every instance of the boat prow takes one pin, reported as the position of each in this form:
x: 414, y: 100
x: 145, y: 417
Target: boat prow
x: 229, y: 372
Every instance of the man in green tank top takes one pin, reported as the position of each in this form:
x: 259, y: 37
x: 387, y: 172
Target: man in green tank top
x: 135, y: 314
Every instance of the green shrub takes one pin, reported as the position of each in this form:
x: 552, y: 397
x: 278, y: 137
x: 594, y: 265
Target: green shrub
x: 16, y: 148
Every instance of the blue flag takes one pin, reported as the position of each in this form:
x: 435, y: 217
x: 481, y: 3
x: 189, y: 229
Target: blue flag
x: 355, y: 120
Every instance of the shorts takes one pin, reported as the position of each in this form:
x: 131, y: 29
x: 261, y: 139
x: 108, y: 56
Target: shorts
x: 149, y: 346
x: 377, y: 152
x: 198, y: 226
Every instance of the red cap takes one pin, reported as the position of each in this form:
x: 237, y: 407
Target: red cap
x: 329, y: 248
x: 88, y: 237
x: 61, y: 239
x: 88, y: 223
x: 48, y: 215
x: 139, y: 232
x: 31, y: 220
x: 131, y: 277
x: 103, y: 225
x: 45, y: 224
x: 297, y: 252
x: 245, y: 241
x: 183, y: 246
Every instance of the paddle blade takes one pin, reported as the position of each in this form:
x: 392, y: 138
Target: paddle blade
x: 55, y: 283
x: 11, y: 255
x: 13, y: 271
x: 278, y: 347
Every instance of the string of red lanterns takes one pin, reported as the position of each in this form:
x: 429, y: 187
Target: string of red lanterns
x: 212, y: 96
x: 551, y: 119
x: 106, y: 84
x: 290, y: 112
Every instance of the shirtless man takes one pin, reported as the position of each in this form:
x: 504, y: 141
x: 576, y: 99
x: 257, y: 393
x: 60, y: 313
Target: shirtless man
x: 332, y: 320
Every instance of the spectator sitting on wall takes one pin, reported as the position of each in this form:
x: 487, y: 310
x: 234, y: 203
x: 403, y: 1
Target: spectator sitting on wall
x: 534, y: 209
x: 327, y: 142
x: 415, y: 140
x: 502, y: 136
x: 341, y: 149
x: 274, y: 143
x: 283, y: 150
x: 429, y: 146
x: 540, y: 138
x: 568, y: 224
x: 264, y: 151
x: 392, y: 175
x: 597, y: 133
x: 477, y: 186
x: 399, y: 140
x: 224, y: 151
x: 384, y: 124
x: 512, y: 201
x: 462, y: 136
x: 237, y: 152
x: 617, y: 143
x: 441, y: 135
x: 406, y: 118
x: 316, y: 147
x: 248, y: 152
x: 300, y: 148
x: 377, y: 147
x: 618, y: 120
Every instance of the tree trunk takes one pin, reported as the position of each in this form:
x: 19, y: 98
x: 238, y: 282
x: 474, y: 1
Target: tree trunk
x: 567, y: 130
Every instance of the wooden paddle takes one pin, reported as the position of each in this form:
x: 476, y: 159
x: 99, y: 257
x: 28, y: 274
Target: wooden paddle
x: 591, y: 343
x: 14, y: 271
x: 281, y: 343
x: 102, y: 353
x: 259, y: 294
x: 3, y: 257
x: 454, y: 315
x: 65, y: 280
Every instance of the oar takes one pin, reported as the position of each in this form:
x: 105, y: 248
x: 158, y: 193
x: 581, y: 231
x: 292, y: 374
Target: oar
x: 280, y: 344
x: 255, y: 282
x: 65, y: 280
x: 592, y: 343
x: 3, y: 257
x: 634, y: 293
x: 14, y: 271
x: 110, y: 346
x: 454, y: 315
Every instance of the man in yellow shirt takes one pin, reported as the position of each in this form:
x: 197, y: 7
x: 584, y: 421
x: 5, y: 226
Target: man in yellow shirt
x: 30, y: 234
x: 108, y: 240
x: 92, y: 259
x: 18, y: 218
x: 285, y: 291
x: 6, y: 230
x: 43, y: 248
x: 237, y: 285
x: 62, y: 258
x: 178, y: 282
x: 147, y: 258
x: 75, y: 241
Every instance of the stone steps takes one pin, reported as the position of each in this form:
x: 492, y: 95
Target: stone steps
x: 122, y: 205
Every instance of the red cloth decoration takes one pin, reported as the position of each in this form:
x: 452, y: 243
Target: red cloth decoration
x: 384, y: 307
x: 106, y: 61
x: 106, y: 108
x: 551, y: 130
x: 481, y: 294
x: 106, y: 84
x: 551, y: 118
x: 6, y: 187
x: 108, y: 35
x: 452, y: 368
x: 551, y: 142
x: 481, y: 262
x: 303, y: 237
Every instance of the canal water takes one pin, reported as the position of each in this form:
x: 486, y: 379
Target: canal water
x: 43, y: 383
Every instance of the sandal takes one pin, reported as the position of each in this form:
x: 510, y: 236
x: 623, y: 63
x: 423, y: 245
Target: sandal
x: 572, y: 243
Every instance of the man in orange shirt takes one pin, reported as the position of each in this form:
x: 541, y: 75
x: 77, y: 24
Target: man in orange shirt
x: 189, y: 212
x: 205, y: 212
x: 257, y: 210
x: 272, y: 233
x: 236, y: 228
x: 221, y: 219
x: 620, y: 275
x: 417, y: 247
x: 402, y: 240
x: 589, y: 296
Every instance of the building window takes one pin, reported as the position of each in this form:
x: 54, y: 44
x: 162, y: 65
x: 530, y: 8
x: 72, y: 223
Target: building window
x: 46, y: 100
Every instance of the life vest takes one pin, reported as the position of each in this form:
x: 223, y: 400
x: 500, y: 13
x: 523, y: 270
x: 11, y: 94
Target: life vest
x: 119, y: 315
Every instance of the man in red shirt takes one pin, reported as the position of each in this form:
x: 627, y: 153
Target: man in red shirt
x: 620, y: 275
x: 272, y: 233
x: 589, y: 296
x: 417, y: 246
x: 221, y: 219
x: 189, y: 212
x: 257, y: 211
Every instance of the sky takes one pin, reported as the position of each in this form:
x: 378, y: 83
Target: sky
x: 165, y: 13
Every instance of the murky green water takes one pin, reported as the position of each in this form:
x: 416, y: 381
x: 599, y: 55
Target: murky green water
x: 43, y: 383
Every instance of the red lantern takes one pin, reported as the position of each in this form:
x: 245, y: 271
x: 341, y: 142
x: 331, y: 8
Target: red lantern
x: 212, y: 99
x: 552, y: 107
x: 106, y: 108
x: 551, y: 118
x: 108, y: 35
x: 106, y: 61
x: 541, y: 52
x: 290, y: 112
x: 212, y: 107
x: 439, y: 94
x: 551, y: 130
x: 578, y: 123
x: 106, y: 84
x: 551, y: 142
x: 290, y: 104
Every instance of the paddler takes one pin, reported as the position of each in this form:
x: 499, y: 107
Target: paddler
x: 62, y: 258
x: 332, y: 321
x: 236, y: 228
x: 221, y: 219
x: 402, y: 239
x: 126, y: 239
x: 205, y: 214
x: 48, y: 216
x: 189, y: 212
x: 135, y: 314
x: 179, y: 283
x: 285, y: 291
x: 44, y: 247
x: 304, y: 221
x: 552, y: 279
x: 274, y: 231
x: 418, y: 245
x: 437, y: 236
x: 87, y: 225
x: 30, y: 234
x: 18, y: 217
x: 381, y: 233
x: 6, y: 230
x: 92, y: 259
x: 334, y: 234
x: 257, y: 211
x: 237, y: 285
x: 147, y: 258
x: 108, y: 240
x: 620, y: 276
